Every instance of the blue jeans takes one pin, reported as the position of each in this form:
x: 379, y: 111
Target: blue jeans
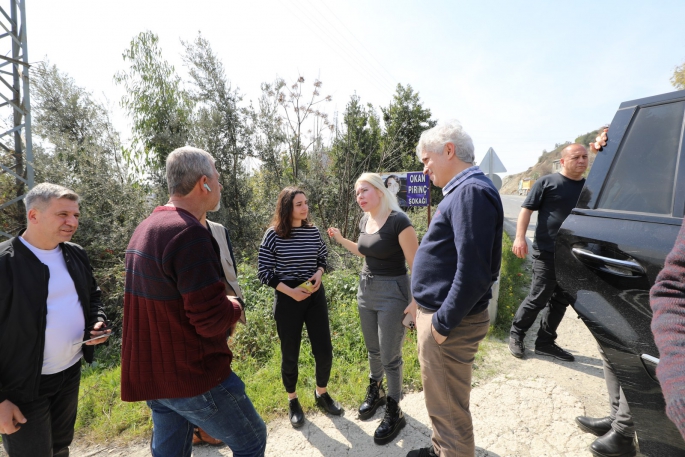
x: 225, y: 412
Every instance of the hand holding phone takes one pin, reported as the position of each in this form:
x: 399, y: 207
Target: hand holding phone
x: 308, y: 286
x: 104, y: 332
x: 408, y: 321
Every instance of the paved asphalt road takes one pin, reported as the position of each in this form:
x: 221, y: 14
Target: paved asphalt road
x: 512, y: 207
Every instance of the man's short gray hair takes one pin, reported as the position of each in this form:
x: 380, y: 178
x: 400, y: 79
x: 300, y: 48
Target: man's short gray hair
x: 434, y: 140
x: 184, y: 166
x: 39, y: 197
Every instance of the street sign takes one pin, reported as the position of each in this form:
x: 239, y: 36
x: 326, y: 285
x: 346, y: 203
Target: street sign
x: 491, y: 163
x: 417, y: 189
x: 497, y: 181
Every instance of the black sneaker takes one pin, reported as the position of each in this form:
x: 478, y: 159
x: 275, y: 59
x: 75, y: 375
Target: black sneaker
x: 375, y: 397
x: 391, y: 424
x: 328, y: 404
x: 516, y: 347
x: 555, y: 351
x: 423, y: 452
x: 295, y: 413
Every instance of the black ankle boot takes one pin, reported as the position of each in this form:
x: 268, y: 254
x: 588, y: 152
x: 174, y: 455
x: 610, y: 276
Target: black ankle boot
x: 375, y: 397
x: 613, y: 444
x: 391, y: 425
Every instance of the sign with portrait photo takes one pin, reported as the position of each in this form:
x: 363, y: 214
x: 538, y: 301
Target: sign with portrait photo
x: 411, y: 188
x: 397, y: 185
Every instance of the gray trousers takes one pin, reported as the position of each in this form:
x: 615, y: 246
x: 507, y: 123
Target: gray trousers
x: 381, y: 301
x: 620, y: 411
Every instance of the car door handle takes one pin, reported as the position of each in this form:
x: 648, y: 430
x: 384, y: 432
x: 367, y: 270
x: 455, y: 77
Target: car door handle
x: 626, y: 268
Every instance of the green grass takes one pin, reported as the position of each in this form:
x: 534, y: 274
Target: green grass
x: 101, y: 413
x: 514, y: 283
x: 103, y: 416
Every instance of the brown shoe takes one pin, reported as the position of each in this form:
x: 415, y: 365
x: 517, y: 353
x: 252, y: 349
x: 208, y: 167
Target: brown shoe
x: 202, y: 437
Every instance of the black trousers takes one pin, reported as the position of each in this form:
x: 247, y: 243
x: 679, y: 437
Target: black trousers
x: 50, y: 418
x: 290, y: 316
x: 545, y: 295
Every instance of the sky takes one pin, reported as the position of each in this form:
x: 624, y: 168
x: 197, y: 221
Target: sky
x: 520, y: 76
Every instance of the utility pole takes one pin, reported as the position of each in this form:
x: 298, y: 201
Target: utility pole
x: 16, y: 148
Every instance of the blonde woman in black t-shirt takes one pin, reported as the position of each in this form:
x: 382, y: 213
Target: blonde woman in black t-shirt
x: 387, y: 241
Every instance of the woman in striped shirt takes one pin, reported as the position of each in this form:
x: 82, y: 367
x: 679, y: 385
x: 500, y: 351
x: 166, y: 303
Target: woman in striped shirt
x: 292, y: 252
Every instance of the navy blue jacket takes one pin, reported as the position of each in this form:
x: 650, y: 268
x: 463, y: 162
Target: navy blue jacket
x: 460, y: 255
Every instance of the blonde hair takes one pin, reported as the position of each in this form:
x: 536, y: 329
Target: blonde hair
x: 388, y: 199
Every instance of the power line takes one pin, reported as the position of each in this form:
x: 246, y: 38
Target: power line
x: 391, y: 80
x: 344, y: 54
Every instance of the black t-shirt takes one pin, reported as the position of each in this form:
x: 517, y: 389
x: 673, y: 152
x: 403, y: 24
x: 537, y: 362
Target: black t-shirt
x: 553, y: 197
x: 383, y: 255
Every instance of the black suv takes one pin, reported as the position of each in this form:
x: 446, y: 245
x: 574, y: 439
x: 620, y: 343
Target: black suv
x: 612, y: 246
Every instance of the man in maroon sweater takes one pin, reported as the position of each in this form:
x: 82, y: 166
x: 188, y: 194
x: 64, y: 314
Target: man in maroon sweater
x: 177, y: 317
x: 667, y: 299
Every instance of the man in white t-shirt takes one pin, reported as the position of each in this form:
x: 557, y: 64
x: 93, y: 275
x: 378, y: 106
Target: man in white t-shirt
x: 50, y: 308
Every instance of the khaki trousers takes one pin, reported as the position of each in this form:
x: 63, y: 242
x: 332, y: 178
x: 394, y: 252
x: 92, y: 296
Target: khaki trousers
x: 446, y: 375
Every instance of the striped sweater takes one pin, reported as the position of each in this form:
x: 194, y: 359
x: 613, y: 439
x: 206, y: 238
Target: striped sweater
x: 294, y: 258
x: 176, y: 313
x: 667, y: 299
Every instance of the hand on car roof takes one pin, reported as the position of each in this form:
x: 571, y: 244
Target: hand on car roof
x: 600, y: 141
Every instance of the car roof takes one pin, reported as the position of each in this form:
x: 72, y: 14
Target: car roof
x: 669, y: 96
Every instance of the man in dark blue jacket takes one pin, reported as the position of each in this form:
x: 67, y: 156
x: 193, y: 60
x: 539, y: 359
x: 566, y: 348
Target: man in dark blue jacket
x: 48, y: 296
x: 454, y: 269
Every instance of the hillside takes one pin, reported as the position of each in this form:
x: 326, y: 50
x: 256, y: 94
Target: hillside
x: 543, y: 166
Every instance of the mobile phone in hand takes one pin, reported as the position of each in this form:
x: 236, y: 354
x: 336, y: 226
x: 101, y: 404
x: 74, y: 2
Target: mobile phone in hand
x: 308, y: 286
x: 107, y: 325
x: 408, y: 321
x: 94, y: 338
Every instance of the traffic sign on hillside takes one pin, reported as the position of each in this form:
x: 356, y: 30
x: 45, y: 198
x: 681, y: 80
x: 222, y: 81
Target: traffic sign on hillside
x: 491, y: 163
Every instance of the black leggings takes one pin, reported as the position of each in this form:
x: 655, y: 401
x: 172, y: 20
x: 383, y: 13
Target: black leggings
x: 290, y: 316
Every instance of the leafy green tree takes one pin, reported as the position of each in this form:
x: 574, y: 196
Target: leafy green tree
x: 678, y: 78
x: 156, y: 101
x: 355, y: 150
x: 405, y: 118
x: 224, y: 129
x: 75, y: 145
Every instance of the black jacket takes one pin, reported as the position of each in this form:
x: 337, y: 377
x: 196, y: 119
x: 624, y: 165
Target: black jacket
x: 23, y: 313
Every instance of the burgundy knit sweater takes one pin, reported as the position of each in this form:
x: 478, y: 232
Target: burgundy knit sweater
x: 667, y: 299
x: 176, y: 314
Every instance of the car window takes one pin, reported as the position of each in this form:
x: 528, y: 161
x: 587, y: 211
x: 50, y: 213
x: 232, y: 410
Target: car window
x: 643, y: 174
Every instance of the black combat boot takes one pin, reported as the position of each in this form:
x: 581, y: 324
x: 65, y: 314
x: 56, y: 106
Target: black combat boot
x: 392, y: 423
x: 375, y: 397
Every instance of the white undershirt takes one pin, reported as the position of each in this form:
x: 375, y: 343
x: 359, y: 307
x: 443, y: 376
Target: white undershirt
x: 65, y: 321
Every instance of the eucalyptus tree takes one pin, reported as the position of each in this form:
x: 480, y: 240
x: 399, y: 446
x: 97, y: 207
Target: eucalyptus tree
x: 157, y: 103
x: 225, y: 129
